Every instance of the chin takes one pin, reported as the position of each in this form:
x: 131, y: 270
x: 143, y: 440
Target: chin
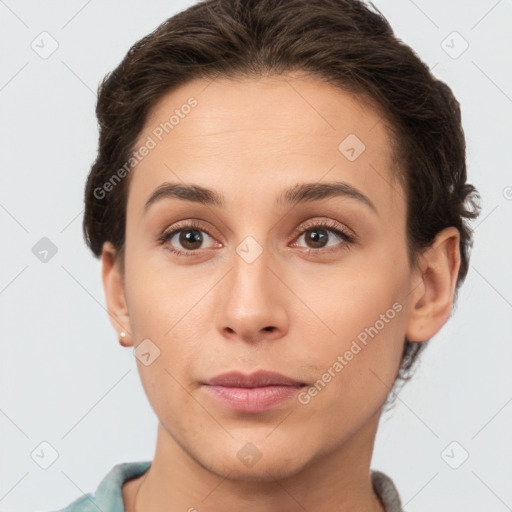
x: 266, y: 466
x: 263, y: 471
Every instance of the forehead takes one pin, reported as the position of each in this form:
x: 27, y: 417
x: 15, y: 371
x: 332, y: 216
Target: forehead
x: 249, y: 137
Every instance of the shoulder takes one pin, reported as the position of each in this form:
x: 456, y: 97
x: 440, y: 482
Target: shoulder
x: 386, y: 490
x: 108, y: 496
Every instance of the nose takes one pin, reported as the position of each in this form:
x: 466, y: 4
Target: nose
x: 252, y: 301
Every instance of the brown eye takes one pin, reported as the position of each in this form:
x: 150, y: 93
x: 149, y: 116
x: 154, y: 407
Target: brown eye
x: 185, y: 240
x: 318, y: 236
x: 190, y: 239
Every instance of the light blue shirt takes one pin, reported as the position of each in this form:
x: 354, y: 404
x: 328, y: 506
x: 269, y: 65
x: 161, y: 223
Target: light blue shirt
x: 108, y: 497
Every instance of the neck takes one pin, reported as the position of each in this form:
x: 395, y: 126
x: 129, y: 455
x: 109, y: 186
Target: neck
x: 339, y: 480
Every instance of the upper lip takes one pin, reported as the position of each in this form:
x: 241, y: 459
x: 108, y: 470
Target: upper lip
x: 257, y: 379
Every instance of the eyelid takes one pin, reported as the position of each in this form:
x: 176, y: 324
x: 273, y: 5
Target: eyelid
x: 327, y: 224
x: 191, y: 223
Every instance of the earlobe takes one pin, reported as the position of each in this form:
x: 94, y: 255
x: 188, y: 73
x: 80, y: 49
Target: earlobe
x: 432, y: 298
x: 113, y: 286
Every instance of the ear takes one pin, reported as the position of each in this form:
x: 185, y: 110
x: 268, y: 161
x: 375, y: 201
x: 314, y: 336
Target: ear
x: 113, y: 285
x: 434, y: 286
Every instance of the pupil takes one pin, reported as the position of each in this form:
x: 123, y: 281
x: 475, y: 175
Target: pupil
x: 189, y: 237
x: 317, y: 237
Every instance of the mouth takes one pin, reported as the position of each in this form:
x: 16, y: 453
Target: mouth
x: 256, y: 392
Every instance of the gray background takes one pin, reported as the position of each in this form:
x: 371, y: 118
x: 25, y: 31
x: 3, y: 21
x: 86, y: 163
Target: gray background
x: 64, y: 378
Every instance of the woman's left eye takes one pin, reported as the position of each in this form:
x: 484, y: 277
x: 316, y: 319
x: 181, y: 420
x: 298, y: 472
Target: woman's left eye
x: 190, y: 237
x: 316, y: 235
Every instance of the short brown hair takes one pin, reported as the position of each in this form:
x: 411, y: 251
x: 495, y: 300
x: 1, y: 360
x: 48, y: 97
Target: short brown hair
x: 342, y: 42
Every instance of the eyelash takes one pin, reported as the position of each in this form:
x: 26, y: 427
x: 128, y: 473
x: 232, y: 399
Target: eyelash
x: 324, y: 224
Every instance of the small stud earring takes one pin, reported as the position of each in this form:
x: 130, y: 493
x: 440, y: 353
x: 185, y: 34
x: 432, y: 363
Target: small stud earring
x: 122, y: 338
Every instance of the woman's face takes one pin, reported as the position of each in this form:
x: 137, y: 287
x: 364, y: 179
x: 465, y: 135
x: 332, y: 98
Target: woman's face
x: 263, y: 281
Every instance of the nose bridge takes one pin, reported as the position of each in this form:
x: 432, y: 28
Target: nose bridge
x: 251, y: 305
x: 251, y: 278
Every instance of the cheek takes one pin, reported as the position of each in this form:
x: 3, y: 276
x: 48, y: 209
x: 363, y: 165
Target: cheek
x: 348, y: 299
x: 155, y: 296
x: 151, y: 303
x: 355, y: 367
x: 361, y: 315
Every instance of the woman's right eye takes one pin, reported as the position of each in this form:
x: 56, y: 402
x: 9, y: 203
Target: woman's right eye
x: 189, y: 236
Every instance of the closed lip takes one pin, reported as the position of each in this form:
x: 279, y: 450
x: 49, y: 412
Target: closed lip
x: 260, y: 378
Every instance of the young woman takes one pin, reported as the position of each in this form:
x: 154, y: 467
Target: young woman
x: 279, y: 202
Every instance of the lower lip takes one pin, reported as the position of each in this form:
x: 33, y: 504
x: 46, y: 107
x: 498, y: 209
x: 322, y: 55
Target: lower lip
x: 252, y: 399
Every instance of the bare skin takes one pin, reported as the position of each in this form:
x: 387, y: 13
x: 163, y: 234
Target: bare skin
x: 288, y: 310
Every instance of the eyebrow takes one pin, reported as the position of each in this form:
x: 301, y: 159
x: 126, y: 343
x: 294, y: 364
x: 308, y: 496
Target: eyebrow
x: 301, y: 193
